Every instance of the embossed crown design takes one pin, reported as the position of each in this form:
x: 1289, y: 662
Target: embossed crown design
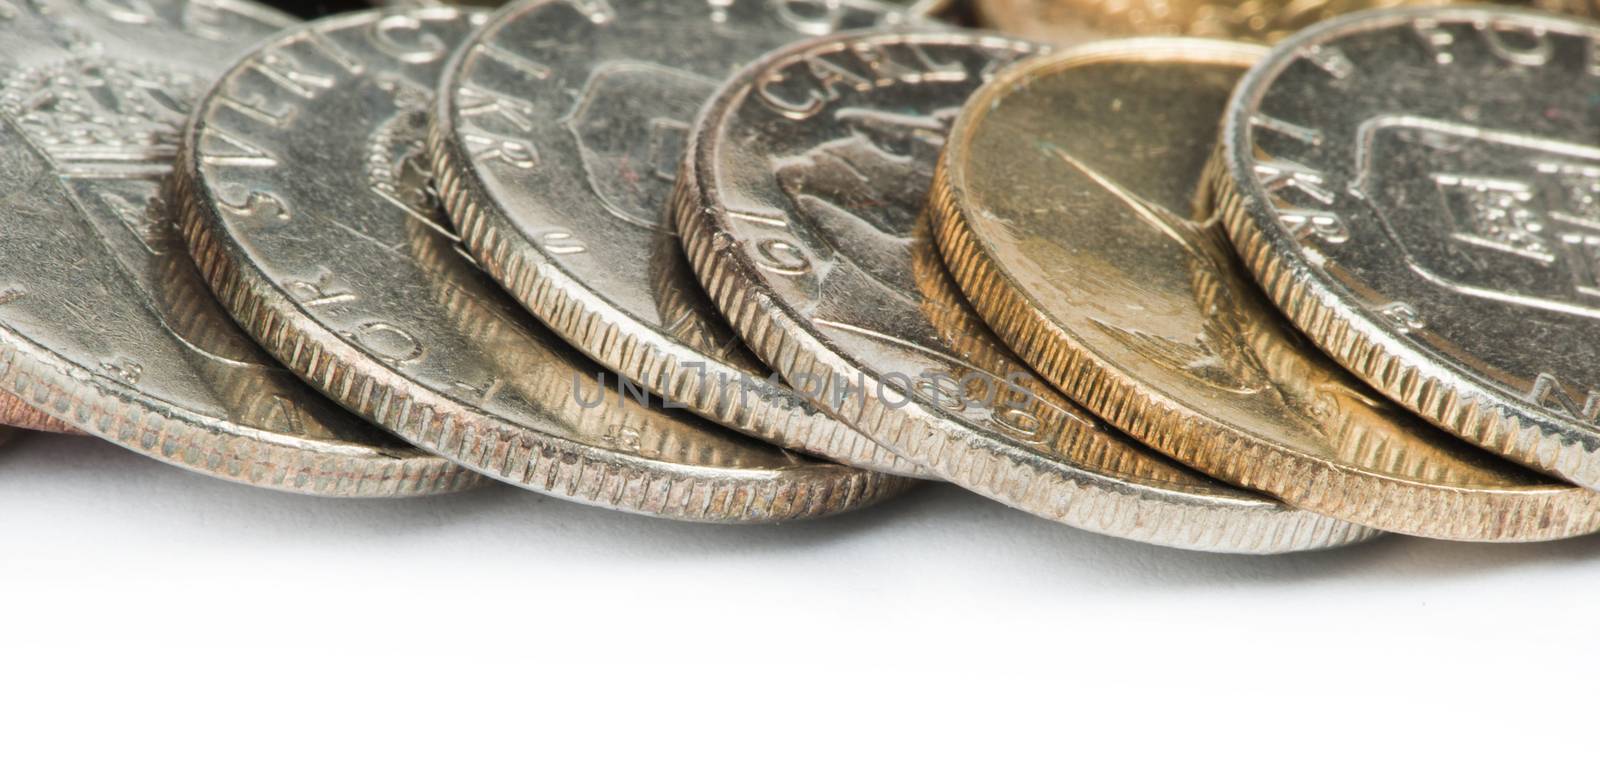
x: 1501, y: 217
x: 88, y: 112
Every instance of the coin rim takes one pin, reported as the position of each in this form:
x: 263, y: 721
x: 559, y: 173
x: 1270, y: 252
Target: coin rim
x: 1444, y: 393
x: 601, y: 330
x: 1542, y: 512
x: 531, y: 459
x: 17, y: 413
x: 991, y: 466
x: 140, y: 421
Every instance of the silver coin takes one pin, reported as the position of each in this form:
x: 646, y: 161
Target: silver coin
x: 1419, y: 191
x: 851, y: 302
x: 556, y: 136
x: 104, y: 323
x: 328, y: 248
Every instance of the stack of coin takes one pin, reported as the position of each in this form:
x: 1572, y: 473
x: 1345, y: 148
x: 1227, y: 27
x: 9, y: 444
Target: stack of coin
x: 719, y: 262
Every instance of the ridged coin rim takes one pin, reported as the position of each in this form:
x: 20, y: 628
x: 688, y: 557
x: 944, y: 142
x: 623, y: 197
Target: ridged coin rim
x: 578, y: 315
x: 439, y: 424
x: 1450, y: 397
x: 145, y: 423
x: 1370, y: 499
x: 985, y: 465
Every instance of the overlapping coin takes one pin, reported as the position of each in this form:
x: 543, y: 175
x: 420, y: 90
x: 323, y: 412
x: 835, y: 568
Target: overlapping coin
x: 329, y: 249
x: 1420, y: 192
x: 16, y: 413
x: 1414, y: 187
x: 1072, y: 209
x: 555, y: 140
x: 104, y: 324
x: 1076, y: 21
x: 798, y: 205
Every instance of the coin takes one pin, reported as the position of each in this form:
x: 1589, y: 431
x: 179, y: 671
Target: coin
x: 14, y: 412
x: 799, y: 206
x: 1427, y: 209
x: 329, y: 250
x: 104, y: 323
x: 1072, y: 21
x: 556, y: 136
x: 1147, y: 319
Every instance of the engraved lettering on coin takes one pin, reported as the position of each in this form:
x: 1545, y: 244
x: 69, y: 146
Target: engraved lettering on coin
x: 116, y: 333
x: 556, y: 142
x: 1456, y: 264
x: 875, y: 326
x: 404, y: 331
x: 1149, y: 321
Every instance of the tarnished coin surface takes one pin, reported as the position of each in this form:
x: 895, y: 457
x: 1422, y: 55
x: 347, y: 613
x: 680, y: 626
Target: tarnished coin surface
x: 1073, y: 212
x: 15, y: 412
x: 104, y: 323
x: 330, y: 250
x: 799, y: 205
x: 1074, y: 21
x: 556, y: 135
x: 1420, y: 193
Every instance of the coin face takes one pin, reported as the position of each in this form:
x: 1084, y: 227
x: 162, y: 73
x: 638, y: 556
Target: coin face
x: 1148, y: 320
x: 799, y: 205
x: 330, y: 249
x: 1420, y: 193
x: 1072, y: 21
x: 555, y: 140
x: 14, y: 412
x: 104, y: 323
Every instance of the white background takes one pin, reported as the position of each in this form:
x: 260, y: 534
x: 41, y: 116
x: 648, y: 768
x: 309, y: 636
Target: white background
x: 152, y: 618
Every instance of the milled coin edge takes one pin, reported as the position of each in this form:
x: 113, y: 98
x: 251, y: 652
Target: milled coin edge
x: 1449, y: 397
x: 90, y: 403
x: 438, y: 424
x: 1052, y: 491
x: 641, y: 354
x: 1433, y: 511
x: 204, y: 444
x: 16, y: 413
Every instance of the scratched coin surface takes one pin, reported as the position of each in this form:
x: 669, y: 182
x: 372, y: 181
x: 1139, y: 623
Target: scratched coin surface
x: 329, y: 248
x: 1073, y: 21
x: 1438, y: 231
x: 1072, y: 209
x: 799, y: 206
x: 555, y: 139
x: 104, y: 323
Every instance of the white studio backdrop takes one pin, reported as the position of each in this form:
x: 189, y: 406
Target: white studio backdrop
x: 151, y: 618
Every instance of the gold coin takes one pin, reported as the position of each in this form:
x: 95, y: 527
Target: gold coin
x: 1074, y: 21
x: 1069, y: 204
x: 862, y: 316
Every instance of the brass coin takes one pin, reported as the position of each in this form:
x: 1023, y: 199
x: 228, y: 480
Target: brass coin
x: 850, y: 302
x: 339, y: 262
x: 555, y: 138
x: 1067, y: 201
x: 17, y: 413
x: 1428, y: 212
x: 1075, y: 21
